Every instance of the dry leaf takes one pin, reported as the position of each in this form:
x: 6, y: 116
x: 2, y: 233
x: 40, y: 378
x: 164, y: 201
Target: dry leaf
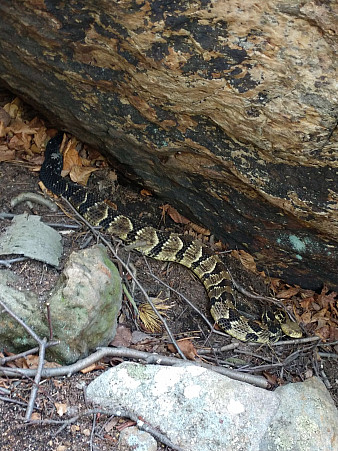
x: 71, y: 158
x: 62, y: 448
x: 111, y: 424
x: 6, y: 155
x: 186, y: 347
x: 75, y: 428
x: 174, y: 214
x: 200, y: 230
x: 246, y: 259
x: 288, y: 293
x: 81, y: 174
x: 145, y: 192
x: 35, y: 416
x: 122, y: 336
x: 61, y: 408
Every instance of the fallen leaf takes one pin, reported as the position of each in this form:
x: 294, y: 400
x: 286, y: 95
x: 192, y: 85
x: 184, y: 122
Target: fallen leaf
x: 145, y: 192
x: 246, y: 259
x: 200, y: 230
x: 307, y: 303
x: 111, y: 424
x: 6, y: 154
x: 61, y: 408
x: 174, y: 214
x: 122, y: 337
x: 35, y: 416
x: 186, y: 347
x: 80, y: 174
x: 288, y: 293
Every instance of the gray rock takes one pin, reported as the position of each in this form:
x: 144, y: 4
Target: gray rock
x: 199, y: 410
x: 307, y: 419
x: 132, y: 439
x: 30, y: 237
x: 84, y: 307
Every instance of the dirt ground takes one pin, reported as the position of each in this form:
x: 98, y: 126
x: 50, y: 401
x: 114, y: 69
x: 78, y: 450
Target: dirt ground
x: 53, y: 393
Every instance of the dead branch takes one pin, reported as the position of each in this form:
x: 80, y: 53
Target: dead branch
x: 146, y: 357
x: 33, y: 197
x: 116, y: 411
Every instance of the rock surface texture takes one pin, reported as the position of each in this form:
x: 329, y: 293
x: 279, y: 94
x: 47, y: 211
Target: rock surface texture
x: 199, y: 410
x: 84, y: 306
x: 226, y: 108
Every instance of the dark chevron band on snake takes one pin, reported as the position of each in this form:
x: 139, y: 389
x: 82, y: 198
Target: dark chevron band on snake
x: 163, y: 246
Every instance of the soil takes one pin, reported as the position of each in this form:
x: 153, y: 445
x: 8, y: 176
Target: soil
x: 183, y: 321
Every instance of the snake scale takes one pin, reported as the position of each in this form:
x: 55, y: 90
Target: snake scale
x: 164, y: 246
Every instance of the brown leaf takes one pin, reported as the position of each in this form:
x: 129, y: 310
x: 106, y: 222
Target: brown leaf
x: 122, y: 337
x: 246, y: 259
x: 4, y: 117
x: 61, y: 408
x: 174, y: 214
x: 200, y: 230
x: 307, y: 303
x: 145, y: 192
x: 306, y: 317
x: 70, y: 158
x: 288, y: 293
x: 35, y: 416
x: 271, y: 378
x: 186, y: 347
x: 80, y: 174
x: 6, y: 154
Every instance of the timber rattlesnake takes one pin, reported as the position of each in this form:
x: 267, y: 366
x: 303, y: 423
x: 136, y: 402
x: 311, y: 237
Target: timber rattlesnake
x: 163, y: 246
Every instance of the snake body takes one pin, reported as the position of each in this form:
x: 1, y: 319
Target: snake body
x: 160, y: 245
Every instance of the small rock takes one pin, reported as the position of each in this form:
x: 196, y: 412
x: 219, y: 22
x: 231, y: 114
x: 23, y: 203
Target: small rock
x: 132, y: 439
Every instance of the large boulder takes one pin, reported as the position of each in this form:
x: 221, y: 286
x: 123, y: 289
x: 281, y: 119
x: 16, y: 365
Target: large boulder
x: 227, y: 110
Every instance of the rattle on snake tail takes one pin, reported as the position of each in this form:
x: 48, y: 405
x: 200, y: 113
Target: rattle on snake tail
x: 167, y: 246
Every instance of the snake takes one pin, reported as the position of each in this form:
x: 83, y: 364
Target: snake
x: 171, y: 247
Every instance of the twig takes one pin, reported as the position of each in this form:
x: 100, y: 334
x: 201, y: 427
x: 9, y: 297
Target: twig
x: 328, y: 355
x: 49, y: 321
x: 37, y: 380
x: 295, y: 341
x: 92, y: 432
x: 37, y: 198
x: 10, y: 261
x: 126, y: 267
x: 149, y: 358
x: 14, y: 401
x: 118, y: 412
x: 10, y: 358
x: 21, y: 322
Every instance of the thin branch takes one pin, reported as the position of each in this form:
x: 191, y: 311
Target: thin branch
x: 33, y: 197
x: 37, y: 380
x: 149, y: 358
x: 8, y: 263
x: 117, y: 411
x: 10, y: 358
